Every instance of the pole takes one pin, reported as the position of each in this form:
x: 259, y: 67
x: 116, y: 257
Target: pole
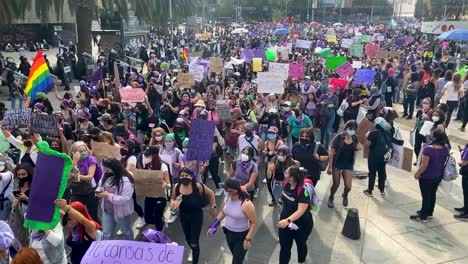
x: 238, y: 11
x: 401, y: 5
x: 308, y: 10
x: 286, y: 8
x: 445, y: 13
x: 372, y: 12
x: 170, y: 10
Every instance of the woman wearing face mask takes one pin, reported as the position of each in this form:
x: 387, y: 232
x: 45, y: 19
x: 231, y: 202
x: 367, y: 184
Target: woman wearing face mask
x: 212, y: 112
x: 154, y: 206
x: 170, y: 154
x: 270, y: 147
x: 438, y: 117
x: 189, y: 196
x: 276, y: 169
x: 185, y: 102
x: 67, y: 113
x: 116, y: 189
x: 181, y: 132
x: 157, y: 137
x: 240, y: 221
x: 296, y: 123
x: 341, y: 160
x: 328, y: 105
x: 28, y: 149
x: 295, y: 210
x: 83, y: 123
x: 85, y: 175
x: 354, y: 101
x: 245, y: 170
x: 309, y: 154
x: 6, y: 188
x: 198, y: 168
x: 422, y: 116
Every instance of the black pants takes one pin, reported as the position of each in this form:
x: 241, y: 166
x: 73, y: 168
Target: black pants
x: 192, y: 223
x: 428, y: 192
x: 137, y: 207
x: 154, y: 211
x: 235, y: 241
x: 213, y: 169
x: 418, y: 141
x: 452, y: 105
x: 465, y: 113
x: 389, y: 99
x: 270, y: 187
x: 374, y: 168
x: 286, y: 238
x: 408, y: 105
x: 465, y: 193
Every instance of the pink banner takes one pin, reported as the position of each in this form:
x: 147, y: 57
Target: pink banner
x: 296, y: 70
x: 344, y: 70
x: 372, y: 49
x: 132, y: 95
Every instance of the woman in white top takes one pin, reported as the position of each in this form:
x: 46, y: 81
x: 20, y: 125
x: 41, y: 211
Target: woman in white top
x: 6, y: 189
x: 455, y: 92
x: 25, y: 145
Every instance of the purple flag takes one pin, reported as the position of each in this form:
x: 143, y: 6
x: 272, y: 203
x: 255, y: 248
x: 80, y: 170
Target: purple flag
x: 97, y: 76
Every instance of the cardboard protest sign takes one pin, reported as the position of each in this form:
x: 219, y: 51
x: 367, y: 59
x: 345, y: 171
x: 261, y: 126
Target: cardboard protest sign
x: 200, y: 140
x: 366, y: 38
x: 283, y: 53
x: 247, y: 54
x: 363, y: 127
x: 407, y: 159
x: 344, y: 70
x: 364, y: 76
x: 357, y: 64
x: 203, y: 36
x: 387, y: 54
x: 357, y: 50
x: 334, y: 62
x: 372, y: 50
x: 296, y: 70
x: 303, y: 44
x: 102, y: 151
x: 148, y: 183
x: 257, y: 65
x: 216, y: 65
x: 48, y: 184
x: 270, y: 82
x: 224, y: 111
x: 397, y: 157
x: 44, y: 124
x: 280, y: 69
x: 346, y: 43
x: 186, y: 80
x: 132, y: 252
x: 335, y: 82
x: 132, y: 95
x: 19, y: 118
x: 331, y: 38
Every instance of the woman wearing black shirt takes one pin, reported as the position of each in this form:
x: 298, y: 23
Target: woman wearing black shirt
x: 295, y: 212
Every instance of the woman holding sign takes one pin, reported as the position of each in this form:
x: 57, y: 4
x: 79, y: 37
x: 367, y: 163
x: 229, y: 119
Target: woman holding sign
x: 190, y: 197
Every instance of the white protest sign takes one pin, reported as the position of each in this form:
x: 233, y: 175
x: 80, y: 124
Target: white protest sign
x: 270, y: 82
x: 280, y: 69
x: 357, y: 64
x: 303, y: 44
x: 426, y: 128
x: 197, y: 71
x: 346, y: 43
x: 397, y: 157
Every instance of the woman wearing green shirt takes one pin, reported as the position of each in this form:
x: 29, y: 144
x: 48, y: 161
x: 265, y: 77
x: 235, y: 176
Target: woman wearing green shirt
x: 297, y: 122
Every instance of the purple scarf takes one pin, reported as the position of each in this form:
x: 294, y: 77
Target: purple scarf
x: 299, y: 120
x: 246, y: 167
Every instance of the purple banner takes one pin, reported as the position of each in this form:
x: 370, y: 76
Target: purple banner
x: 201, y: 140
x: 132, y: 252
x: 364, y: 76
x: 260, y: 53
x: 400, y: 41
x: 296, y: 70
x: 45, y: 187
x: 247, y: 54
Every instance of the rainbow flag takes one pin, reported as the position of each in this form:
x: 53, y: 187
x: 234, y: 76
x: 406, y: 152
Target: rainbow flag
x: 39, y: 79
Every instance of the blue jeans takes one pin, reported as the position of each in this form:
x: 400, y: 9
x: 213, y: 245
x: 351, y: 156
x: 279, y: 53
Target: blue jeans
x: 325, y: 131
x: 108, y: 226
x: 5, y: 212
x: 18, y: 97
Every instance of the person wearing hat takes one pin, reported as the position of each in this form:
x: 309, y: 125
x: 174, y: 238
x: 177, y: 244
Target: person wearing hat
x: 106, y: 123
x: 199, y: 106
x: 240, y: 220
x: 6, y: 241
x: 250, y: 139
x: 154, y: 207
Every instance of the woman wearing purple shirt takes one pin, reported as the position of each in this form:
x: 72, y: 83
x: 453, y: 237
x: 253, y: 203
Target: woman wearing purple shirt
x: 430, y: 173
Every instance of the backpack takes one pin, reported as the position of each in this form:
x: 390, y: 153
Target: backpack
x: 309, y: 192
x: 388, y: 148
x: 450, y: 169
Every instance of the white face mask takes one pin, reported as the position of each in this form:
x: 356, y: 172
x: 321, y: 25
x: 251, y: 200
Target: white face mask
x: 281, y: 158
x: 146, y: 160
x: 244, y: 157
x: 435, y: 118
x: 158, y: 138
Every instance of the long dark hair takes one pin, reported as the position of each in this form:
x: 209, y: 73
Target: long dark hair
x: 29, y: 170
x: 439, y: 138
x: 297, y: 173
x: 119, y: 173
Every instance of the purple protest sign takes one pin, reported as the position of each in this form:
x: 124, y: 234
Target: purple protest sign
x: 132, y: 252
x: 400, y: 42
x: 200, y: 140
x: 296, y: 70
x: 247, y: 54
x: 364, y: 76
x: 345, y: 70
x: 259, y: 53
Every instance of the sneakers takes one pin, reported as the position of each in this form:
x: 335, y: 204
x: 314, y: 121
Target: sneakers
x: 382, y: 193
x: 264, y: 181
x: 428, y: 217
x: 219, y: 192
x: 272, y: 204
x: 461, y: 209
x: 190, y: 257
x: 140, y: 222
x: 119, y: 232
x: 461, y: 217
x: 330, y: 202
x: 368, y: 193
x: 417, y: 218
x: 345, y: 199
x: 172, y: 217
x: 256, y: 193
x: 461, y: 129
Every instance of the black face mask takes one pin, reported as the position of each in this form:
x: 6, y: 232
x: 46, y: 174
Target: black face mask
x: 59, y: 149
x: 249, y: 133
x: 185, y: 181
x: 108, y: 174
x: 304, y: 141
x: 27, y: 143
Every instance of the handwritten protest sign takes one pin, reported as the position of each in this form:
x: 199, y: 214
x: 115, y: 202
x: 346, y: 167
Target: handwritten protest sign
x: 257, y: 65
x: 397, y: 157
x: 186, y: 80
x: 132, y: 95
x: 48, y: 184
x: 335, y: 62
x: 364, y: 76
x: 357, y: 50
x: 148, y: 183
x: 132, y: 252
x: 224, y: 111
x: 407, y: 159
x: 197, y: 70
x: 365, y: 38
x: 331, y: 38
x: 344, y: 70
x: 104, y: 151
x: 346, y: 43
x: 19, y: 118
x: 335, y: 82
x: 270, y: 82
x: 357, y: 64
x: 200, y: 140
x: 44, y: 124
x: 281, y: 69
x: 216, y: 65
x: 303, y: 44
x: 296, y: 70
x: 372, y: 50
x: 387, y: 54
